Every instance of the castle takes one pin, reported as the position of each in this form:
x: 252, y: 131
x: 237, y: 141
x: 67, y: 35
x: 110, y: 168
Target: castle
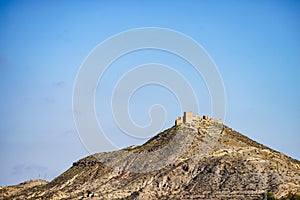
x: 188, y: 117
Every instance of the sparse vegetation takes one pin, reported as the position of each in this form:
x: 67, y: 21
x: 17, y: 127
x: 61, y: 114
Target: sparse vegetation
x: 270, y: 196
x: 291, y: 196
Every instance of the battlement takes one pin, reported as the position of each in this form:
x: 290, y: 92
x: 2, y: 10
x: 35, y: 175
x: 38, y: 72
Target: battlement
x: 188, y: 117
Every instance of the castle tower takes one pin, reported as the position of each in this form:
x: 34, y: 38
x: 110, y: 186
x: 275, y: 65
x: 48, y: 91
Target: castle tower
x: 187, y: 117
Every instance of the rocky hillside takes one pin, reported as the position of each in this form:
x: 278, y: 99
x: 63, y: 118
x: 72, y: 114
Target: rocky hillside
x: 9, y: 190
x: 201, y: 160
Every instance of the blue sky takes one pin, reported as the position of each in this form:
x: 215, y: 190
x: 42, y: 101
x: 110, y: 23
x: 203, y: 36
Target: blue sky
x: 255, y: 44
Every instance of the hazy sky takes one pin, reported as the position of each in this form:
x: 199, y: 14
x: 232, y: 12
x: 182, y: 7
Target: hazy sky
x: 255, y: 44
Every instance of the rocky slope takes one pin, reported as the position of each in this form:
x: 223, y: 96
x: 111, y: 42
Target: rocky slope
x: 201, y: 160
x: 10, y: 190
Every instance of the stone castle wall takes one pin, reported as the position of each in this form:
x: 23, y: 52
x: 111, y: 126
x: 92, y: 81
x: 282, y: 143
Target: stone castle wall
x: 188, y: 118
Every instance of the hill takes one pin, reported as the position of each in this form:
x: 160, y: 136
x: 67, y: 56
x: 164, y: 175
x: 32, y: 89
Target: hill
x: 203, y: 159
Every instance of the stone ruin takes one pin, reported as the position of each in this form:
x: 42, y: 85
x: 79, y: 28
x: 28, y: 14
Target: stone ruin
x: 188, y: 117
